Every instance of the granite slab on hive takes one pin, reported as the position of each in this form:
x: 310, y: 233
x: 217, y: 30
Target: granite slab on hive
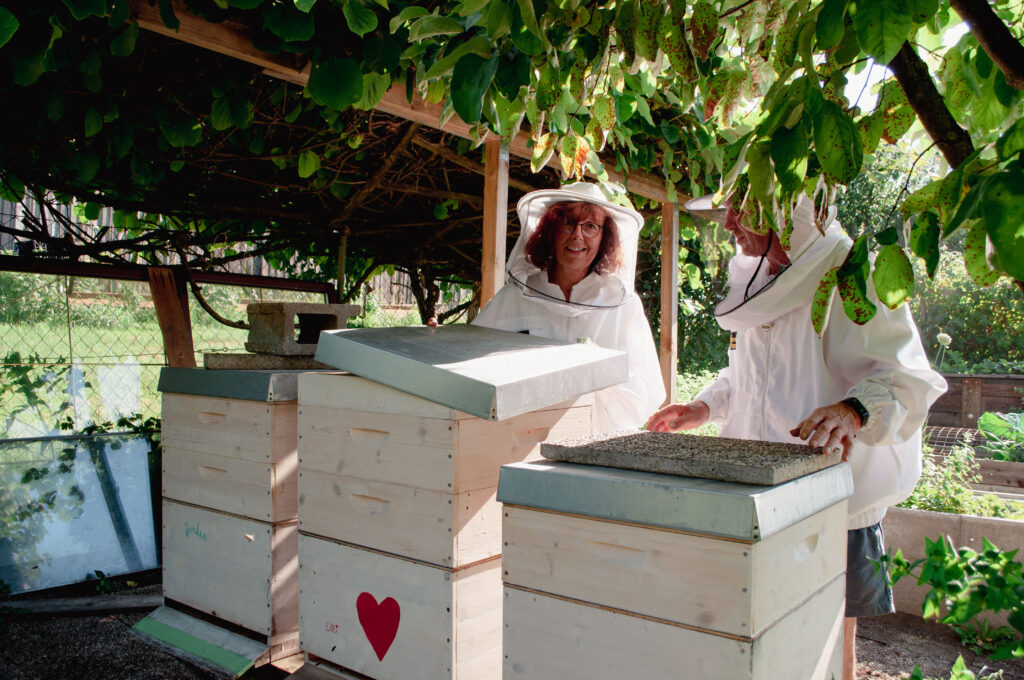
x: 487, y: 373
x: 729, y: 460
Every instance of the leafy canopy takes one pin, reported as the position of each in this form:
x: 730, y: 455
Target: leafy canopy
x: 745, y: 99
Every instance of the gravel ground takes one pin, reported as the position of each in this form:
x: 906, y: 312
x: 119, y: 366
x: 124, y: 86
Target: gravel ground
x: 100, y: 645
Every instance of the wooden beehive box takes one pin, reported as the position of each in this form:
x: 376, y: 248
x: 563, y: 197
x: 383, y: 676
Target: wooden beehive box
x: 388, y: 617
x: 229, y: 441
x: 236, y: 569
x: 400, y: 530
x: 607, y: 570
x: 390, y: 471
x: 230, y: 526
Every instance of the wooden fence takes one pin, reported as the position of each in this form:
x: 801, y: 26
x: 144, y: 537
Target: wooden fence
x: 969, y: 396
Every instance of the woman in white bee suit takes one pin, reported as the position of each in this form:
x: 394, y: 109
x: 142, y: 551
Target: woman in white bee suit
x: 864, y: 390
x: 570, y: 277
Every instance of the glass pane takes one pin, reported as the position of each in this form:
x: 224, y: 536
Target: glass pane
x: 72, y: 506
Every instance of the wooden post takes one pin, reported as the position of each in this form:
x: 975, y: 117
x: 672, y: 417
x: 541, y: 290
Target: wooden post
x: 492, y: 269
x: 342, y: 255
x: 669, y: 345
x: 170, y: 298
x: 971, y: 400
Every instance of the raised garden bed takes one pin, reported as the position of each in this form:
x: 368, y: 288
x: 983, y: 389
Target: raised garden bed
x: 906, y: 529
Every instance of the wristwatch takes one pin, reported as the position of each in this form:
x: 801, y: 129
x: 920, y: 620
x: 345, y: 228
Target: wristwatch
x: 858, y: 408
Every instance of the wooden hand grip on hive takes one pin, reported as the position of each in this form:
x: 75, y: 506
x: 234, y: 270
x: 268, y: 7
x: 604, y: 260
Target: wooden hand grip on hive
x: 618, y: 555
x: 371, y: 505
x: 208, y: 472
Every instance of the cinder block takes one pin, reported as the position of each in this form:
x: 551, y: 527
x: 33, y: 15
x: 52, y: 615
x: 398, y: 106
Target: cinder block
x: 293, y: 328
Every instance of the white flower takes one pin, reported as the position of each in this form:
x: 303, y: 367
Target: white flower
x: 944, y: 339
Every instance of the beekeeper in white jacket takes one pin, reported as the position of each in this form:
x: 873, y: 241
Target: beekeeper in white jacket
x: 864, y: 390
x: 570, y: 277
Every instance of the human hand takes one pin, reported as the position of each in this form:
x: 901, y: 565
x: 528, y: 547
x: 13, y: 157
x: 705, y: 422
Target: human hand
x: 675, y: 417
x: 833, y: 428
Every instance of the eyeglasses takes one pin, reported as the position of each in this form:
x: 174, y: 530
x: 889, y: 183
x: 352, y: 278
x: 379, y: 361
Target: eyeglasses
x: 589, y: 229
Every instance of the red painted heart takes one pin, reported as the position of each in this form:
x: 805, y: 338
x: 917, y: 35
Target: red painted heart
x: 379, y: 621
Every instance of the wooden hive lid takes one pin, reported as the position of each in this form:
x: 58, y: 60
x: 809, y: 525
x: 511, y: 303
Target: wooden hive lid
x: 488, y: 373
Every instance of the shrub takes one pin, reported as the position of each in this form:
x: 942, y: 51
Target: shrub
x: 964, y: 583
x: 946, y: 487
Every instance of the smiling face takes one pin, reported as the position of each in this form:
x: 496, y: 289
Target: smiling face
x: 577, y: 242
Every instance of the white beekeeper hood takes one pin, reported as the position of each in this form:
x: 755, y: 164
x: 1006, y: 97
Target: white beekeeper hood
x: 596, y: 290
x: 810, y: 255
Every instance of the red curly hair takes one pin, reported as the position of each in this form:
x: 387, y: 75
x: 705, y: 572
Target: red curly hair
x: 540, y: 248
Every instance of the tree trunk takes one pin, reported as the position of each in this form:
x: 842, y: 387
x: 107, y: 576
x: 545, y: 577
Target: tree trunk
x: 994, y: 37
x: 912, y: 74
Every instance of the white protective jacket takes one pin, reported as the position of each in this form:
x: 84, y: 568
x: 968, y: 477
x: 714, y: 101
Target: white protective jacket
x: 780, y: 370
x: 603, y: 308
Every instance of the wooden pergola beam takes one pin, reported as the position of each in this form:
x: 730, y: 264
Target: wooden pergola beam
x: 232, y: 40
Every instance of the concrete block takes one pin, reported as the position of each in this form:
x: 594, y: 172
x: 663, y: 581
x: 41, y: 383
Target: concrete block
x: 261, y: 362
x: 684, y: 455
x: 293, y: 328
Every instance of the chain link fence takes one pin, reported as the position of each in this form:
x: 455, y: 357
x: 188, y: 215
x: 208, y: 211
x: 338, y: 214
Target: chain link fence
x: 76, y: 352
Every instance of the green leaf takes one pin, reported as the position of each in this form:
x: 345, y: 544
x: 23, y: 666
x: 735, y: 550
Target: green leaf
x: 822, y: 302
x: 88, y: 164
x: 969, y: 207
x: 304, y: 5
x: 167, y: 15
x: 542, y: 152
x: 513, y: 74
x: 287, y: 23
x: 83, y: 9
x: 976, y: 255
x: 12, y: 189
x: 760, y: 171
x: 182, y: 132
x: 837, y: 143
x: 337, y: 83
x: 677, y: 49
x: 478, y: 45
x: 499, y: 19
x: 603, y: 111
x: 361, y: 20
x: 888, y: 236
x: 410, y: 12
x: 93, y: 122
x: 433, y: 25
x: 924, y: 198
x: 527, y: 40
x: 893, y: 276
x: 856, y: 258
x: 245, y: 4
x: 230, y: 110
x: 882, y: 27
x: 374, y: 87
x: 852, y: 289
x: 124, y: 44
x: 924, y: 240
x: 309, y: 163
x: 923, y: 10
x: 703, y: 27
x: 789, y: 149
x: 1003, y: 208
x: 470, y: 79
x: 1011, y: 142
x: 829, y: 27
x: 896, y: 122
x: 8, y: 25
